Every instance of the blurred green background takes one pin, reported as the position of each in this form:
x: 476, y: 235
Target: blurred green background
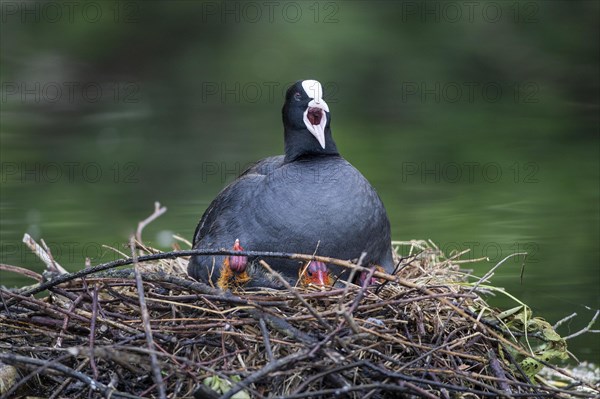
x: 477, y: 122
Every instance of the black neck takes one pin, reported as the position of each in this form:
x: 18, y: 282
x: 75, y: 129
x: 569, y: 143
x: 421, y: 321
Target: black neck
x: 299, y: 143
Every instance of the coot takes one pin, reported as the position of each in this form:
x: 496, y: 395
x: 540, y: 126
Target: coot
x: 310, y: 200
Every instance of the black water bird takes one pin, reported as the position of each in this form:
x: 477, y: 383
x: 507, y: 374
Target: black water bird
x: 310, y: 200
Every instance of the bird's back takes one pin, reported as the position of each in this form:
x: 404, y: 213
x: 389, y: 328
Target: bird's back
x: 319, y: 205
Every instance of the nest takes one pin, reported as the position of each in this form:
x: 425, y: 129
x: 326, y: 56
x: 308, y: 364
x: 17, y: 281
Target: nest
x: 424, y: 332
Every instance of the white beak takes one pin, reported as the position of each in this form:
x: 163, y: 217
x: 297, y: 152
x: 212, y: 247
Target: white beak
x: 317, y: 130
x: 315, y: 91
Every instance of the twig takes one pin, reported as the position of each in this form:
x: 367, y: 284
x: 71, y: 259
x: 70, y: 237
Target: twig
x: 496, y: 368
x: 22, y: 271
x: 491, y: 272
x: 208, y: 252
x: 68, y: 380
x: 339, y: 392
x: 350, y: 278
x: 44, y: 255
x: 158, y: 211
x: 270, y: 367
x: 43, y: 305
x: 295, y: 293
x: 54, y: 267
x: 93, y: 330
x: 93, y: 384
x: 587, y: 328
x: 564, y: 320
x: 306, y: 382
x: 265, y: 334
x: 38, y: 370
x: 183, y: 240
x: 63, y: 330
x: 146, y: 321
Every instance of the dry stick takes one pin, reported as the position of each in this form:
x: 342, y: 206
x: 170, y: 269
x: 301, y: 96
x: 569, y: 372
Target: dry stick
x: 63, y: 330
x: 322, y: 374
x: 420, y: 391
x: 549, y: 389
x: 500, y: 337
x: 491, y: 272
x: 361, y: 291
x: 265, y: 334
x: 67, y: 380
x: 563, y: 320
x: 22, y: 271
x: 162, y: 393
x: 483, y: 385
x: 407, y: 378
x: 497, y: 370
x: 44, y: 305
x: 406, y: 301
x: 5, y: 305
x: 275, y: 322
x: 512, y: 382
x: 346, y: 313
x: 484, y: 278
x: 38, y: 370
x: 55, y: 266
x: 295, y: 293
x: 158, y: 210
x: 44, y: 255
x: 192, y: 252
x: 270, y: 367
x: 475, y: 377
x: 481, y: 325
x: 350, y: 278
x: 437, y: 348
x: 501, y: 393
x: 93, y: 331
x: 386, y: 388
x: 183, y: 360
x: 587, y: 328
x: 319, y: 344
x: 110, y: 322
x: 46, y: 364
x: 422, y: 346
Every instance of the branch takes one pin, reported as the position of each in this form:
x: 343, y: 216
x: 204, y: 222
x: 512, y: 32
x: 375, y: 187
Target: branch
x: 43, y: 254
x: 257, y: 375
x: 22, y: 271
x: 93, y: 384
x: 157, y: 377
x: 587, y: 328
x: 208, y: 252
x: 158, y: 211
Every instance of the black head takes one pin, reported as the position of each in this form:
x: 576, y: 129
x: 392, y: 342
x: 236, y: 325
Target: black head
x: 306, y: 121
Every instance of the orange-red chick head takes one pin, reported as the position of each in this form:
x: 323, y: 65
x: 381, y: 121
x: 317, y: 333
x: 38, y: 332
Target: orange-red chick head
x: 316, y: 273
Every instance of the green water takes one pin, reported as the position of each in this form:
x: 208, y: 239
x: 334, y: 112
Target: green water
x: 476, y: 133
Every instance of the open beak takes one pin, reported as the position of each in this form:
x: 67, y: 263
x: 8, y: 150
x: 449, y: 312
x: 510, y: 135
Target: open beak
x: 315, y: 119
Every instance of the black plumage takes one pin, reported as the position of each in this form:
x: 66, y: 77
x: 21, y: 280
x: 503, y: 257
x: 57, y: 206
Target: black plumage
x: 309, y: 201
